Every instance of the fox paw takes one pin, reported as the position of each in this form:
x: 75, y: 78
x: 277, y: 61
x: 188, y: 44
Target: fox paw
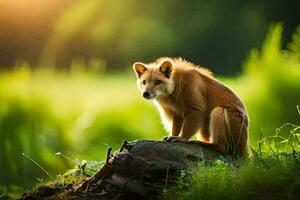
x: 175, y: 139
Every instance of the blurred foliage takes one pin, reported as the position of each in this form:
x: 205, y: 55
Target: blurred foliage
x: 78, y: 114
x: 218, y: 34
x: 169, y: 28
x: 271, y: 85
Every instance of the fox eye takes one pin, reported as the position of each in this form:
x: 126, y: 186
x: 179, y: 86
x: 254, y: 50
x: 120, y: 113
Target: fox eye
x: 144, y: 82
x: 157, y: 82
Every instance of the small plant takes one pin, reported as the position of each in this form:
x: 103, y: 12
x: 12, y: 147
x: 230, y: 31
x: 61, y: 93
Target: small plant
x: 280, y: 142
x: 82, y: 169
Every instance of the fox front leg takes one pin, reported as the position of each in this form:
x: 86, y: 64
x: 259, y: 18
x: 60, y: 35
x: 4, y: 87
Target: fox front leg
x: 177, y: 122
x: 191, y: 123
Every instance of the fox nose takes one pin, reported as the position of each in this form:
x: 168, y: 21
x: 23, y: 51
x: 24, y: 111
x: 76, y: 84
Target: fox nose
x: 146, y: 94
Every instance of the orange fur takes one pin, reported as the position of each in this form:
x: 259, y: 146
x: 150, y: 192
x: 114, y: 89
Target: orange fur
x: 192, y: 102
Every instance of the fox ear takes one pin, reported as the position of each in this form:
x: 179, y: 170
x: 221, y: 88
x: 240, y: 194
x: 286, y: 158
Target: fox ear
x: 139, y: 69
x: 166, y: 68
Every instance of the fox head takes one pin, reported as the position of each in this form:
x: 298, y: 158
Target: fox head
x: 154, y: 80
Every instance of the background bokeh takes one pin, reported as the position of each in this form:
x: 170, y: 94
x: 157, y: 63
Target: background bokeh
x: 66, y: 81
x: 114, y: 33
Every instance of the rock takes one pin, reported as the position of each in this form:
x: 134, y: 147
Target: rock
x: 139, y: 170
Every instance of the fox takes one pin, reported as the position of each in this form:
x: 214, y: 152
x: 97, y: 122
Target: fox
x: 192, y: 102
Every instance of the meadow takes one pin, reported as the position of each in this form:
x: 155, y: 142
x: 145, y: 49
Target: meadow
x: 80, y: 113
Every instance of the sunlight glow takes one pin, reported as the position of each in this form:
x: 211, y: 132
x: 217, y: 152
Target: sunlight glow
x: 17, y: 12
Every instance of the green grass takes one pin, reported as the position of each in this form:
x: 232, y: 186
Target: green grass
x: 258, y: 178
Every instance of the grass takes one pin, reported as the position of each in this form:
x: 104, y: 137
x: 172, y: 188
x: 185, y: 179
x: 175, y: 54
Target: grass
x: 258, y: 178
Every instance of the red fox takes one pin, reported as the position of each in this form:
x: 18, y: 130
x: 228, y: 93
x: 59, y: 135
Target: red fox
x: 192, y: 102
